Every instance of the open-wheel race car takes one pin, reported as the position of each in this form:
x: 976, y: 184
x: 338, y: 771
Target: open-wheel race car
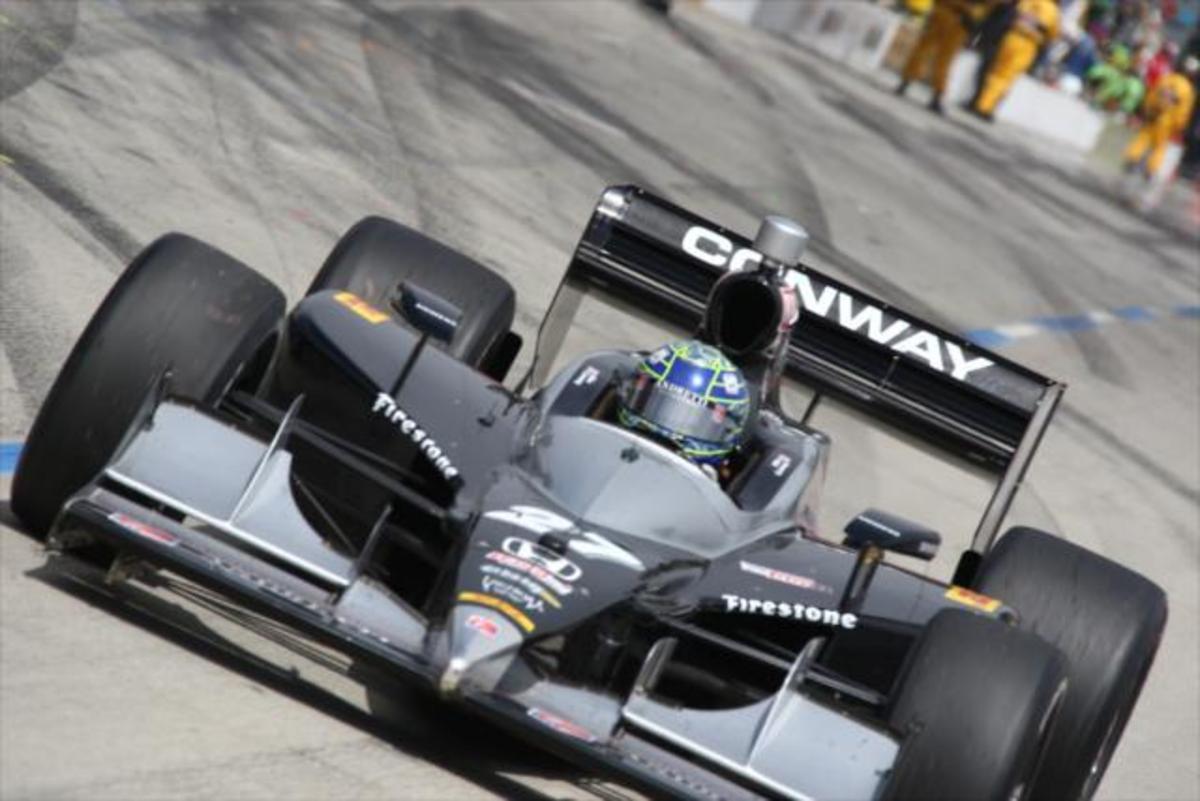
x: 358, y: 469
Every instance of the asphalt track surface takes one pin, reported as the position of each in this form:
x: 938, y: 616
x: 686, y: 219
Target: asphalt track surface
x: 268, y: 128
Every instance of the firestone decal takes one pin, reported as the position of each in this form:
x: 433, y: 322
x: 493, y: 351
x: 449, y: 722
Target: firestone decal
x: 901, y: 336
x: 802, y: 612
x: 386, y: 406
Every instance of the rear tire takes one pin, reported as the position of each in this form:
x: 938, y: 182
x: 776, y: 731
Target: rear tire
x: 180, y: 304
x: 376, y: 256
x: 976, y: 699
x: 1107, y: 621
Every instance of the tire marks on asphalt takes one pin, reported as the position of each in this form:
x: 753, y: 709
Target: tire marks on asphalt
x: 469, y: 46
x: 902, y: 140
x: 733, y: 68
x: 1034, y: 257
x: 257, y: 48
x: 34, y: 38
x: 59, y: 191
x: 1129, y: 453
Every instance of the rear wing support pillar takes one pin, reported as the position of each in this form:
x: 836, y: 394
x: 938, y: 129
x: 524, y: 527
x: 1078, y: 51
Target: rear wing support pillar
x: 553, y: 330
x: 1010, y: 480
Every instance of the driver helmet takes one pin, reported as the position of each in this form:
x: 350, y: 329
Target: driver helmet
x: 691, y: 395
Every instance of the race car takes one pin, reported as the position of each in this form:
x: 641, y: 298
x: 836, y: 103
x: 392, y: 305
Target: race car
x: 362, y: 469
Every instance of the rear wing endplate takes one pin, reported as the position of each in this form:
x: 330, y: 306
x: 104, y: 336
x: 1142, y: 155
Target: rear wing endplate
x: 938, y: 386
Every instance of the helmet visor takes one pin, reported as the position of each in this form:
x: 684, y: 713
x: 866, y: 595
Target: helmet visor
x: 678, y: 412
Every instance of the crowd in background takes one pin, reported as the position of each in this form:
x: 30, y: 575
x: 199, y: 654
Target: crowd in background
x: 1137, y: 60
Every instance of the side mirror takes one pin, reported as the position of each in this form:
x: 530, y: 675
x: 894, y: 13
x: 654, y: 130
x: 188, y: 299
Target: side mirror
x: 892, y: 533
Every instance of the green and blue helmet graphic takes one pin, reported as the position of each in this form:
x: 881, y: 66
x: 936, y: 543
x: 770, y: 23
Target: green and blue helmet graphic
x: 689, y: 393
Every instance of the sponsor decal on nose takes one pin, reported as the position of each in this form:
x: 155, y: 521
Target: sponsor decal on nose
x: 504, y: 607
x: 484, y: 625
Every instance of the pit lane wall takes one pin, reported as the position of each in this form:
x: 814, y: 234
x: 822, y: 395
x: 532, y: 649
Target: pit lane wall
x: 867, y: 37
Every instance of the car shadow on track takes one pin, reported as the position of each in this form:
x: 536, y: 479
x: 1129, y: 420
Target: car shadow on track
x: 405, y: 718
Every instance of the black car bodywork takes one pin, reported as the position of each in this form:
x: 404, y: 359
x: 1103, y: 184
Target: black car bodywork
x: 517, y: 551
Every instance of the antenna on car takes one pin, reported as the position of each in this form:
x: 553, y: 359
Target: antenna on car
x: 781, y: 241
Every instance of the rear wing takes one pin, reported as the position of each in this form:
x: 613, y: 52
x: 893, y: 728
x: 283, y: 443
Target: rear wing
x: 963, y: 400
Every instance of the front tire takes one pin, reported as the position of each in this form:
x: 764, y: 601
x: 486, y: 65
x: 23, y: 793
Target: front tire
x: 180, y: 305
x: 1107, y: 621
x: 377, y: 256
x: 976, y: 700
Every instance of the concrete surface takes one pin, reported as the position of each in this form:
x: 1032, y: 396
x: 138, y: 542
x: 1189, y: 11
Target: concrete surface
x: 267, y: 128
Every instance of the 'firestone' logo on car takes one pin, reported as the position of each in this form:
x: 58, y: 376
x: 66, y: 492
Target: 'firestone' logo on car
x: 803, y: 612
x: 386, y: 406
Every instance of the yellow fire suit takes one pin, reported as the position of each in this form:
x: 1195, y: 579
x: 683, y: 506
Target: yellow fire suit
x: 1036, y: 24
x: 944, y: 35
x: 1167, y: 108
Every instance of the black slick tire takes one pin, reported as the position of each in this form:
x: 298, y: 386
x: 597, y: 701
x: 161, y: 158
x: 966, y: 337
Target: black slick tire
x: 375, y: 257
x: 1106, y: 620
x: 976, y: 700
x: 180, y: 305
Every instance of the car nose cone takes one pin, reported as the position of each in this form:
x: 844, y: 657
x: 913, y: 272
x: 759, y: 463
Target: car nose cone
x: 480, y: 644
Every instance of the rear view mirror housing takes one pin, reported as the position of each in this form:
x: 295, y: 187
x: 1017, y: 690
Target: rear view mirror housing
x: 892, y: 533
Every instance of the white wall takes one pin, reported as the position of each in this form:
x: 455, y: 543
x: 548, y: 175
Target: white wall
x: 738, y: 10
x: 859, y: 34
x: 1032, y: 105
